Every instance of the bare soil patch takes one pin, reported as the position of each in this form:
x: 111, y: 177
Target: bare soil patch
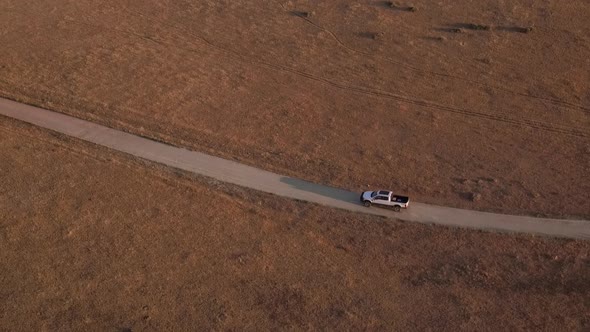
x: 352, y: 94
x: 94, y: 240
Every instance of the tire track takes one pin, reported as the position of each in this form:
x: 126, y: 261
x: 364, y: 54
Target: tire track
x: 563, y: 103
x: 343, y: 86
x: 377, y: 93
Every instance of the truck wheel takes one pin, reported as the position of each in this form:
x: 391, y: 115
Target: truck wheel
x: 367, y: 203
x: 396, y: 208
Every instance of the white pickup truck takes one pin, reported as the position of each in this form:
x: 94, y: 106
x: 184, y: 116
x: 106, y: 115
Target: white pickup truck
x: 385, y: 198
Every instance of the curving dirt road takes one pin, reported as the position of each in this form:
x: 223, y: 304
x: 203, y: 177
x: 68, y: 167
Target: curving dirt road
x: 239, y: 174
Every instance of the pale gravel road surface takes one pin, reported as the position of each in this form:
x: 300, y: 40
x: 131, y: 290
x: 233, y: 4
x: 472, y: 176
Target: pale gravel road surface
x: 250, y: 177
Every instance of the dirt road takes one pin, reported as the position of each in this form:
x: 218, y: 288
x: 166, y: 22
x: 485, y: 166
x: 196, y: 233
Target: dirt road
x: 239, y: 174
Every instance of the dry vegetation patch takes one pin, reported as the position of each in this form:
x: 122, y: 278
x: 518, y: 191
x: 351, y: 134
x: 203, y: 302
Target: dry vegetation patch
x: 335, y: 92
x: 95, y: 240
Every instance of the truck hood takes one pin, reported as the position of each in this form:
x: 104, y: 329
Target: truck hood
x: 367, y: 195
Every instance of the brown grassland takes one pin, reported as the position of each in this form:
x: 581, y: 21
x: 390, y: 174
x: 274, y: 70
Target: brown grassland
x: 95, y: 240
x: 453, y: 101
x: 474, y: 104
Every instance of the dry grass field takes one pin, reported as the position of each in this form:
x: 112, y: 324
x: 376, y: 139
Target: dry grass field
x: 475, y: 104
x: 95, y: 240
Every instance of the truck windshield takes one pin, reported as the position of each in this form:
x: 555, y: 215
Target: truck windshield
x: 373, y: 194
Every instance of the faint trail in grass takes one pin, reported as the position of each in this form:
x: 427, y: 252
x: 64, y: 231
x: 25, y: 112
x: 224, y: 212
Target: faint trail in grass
x: 564, y: 103
x: 344, y: 86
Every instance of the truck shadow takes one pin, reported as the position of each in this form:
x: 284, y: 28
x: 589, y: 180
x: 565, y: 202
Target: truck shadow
x: 334, y: 193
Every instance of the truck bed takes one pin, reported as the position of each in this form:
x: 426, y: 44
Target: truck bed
x: 400, y: 199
